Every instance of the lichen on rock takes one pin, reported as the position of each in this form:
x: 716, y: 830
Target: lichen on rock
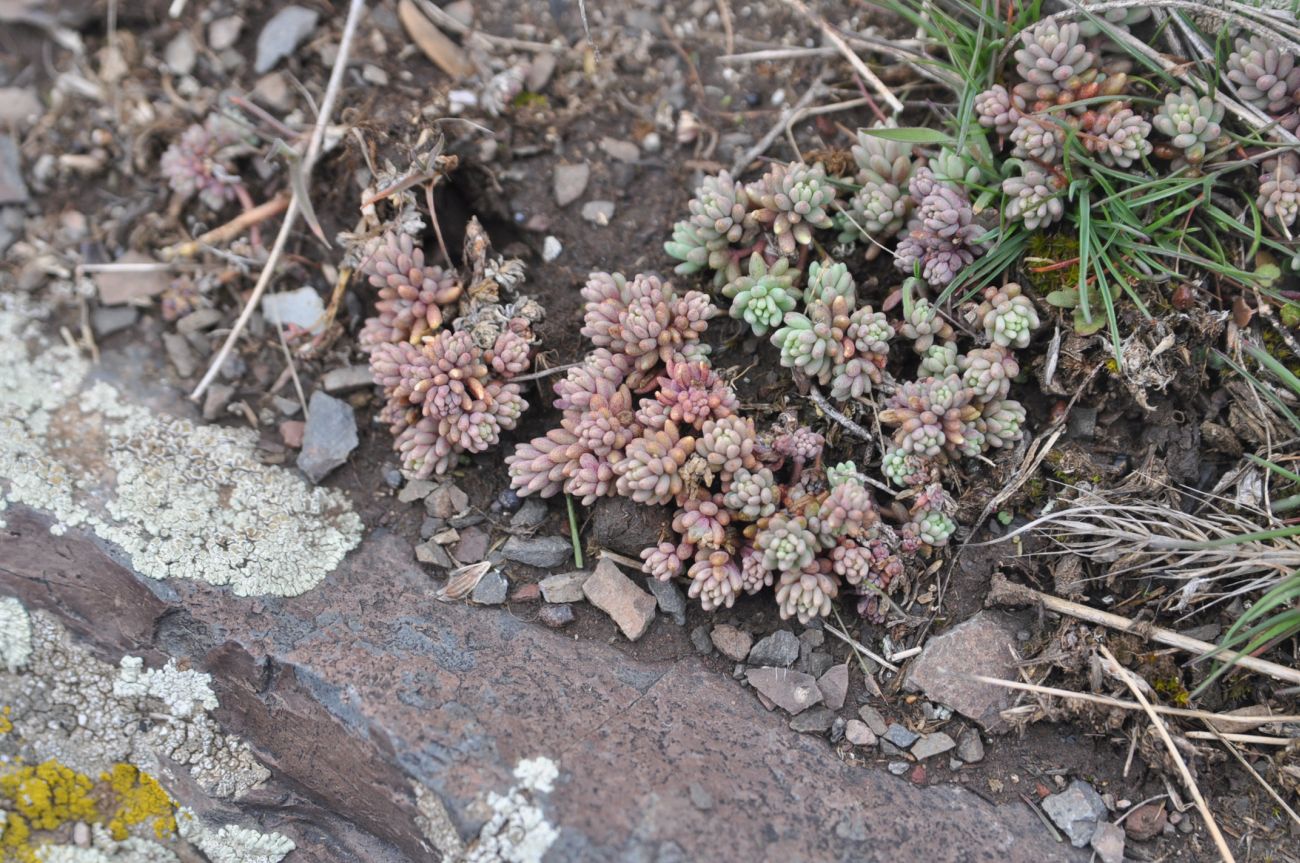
x: 15, y: 634
x: 183, y: 500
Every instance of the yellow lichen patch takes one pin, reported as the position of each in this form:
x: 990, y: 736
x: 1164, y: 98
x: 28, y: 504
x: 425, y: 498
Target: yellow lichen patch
x: 138, y: 799
x: 6, y: 724
x: 50, y: 795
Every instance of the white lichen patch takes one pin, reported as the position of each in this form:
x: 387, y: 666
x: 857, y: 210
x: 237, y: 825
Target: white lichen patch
x: 185, y: 692
x: 517, y: 830
x: 104, y: 849
x: 232, y: 843
x: 15, y: 634
x: 183, y: 500
x: 70, y: 706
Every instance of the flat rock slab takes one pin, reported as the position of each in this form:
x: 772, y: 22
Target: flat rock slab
x: 618, y: 596
x: 792, y: 691
x: 978, y: 646
x: 330, y: 436
x: 1077, y: 810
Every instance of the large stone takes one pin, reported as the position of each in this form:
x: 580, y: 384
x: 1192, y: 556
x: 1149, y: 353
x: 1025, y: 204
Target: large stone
x: 731, y: 642
x: 792, y: 691
x: 543, y: 552
x: 1077, y: 811
x: 330, y: 438
x: 618, y: 596
x: 780, y: 650
x: 627, y: 527
x: 282, y: 34
x: 946, y: 668
x: 564, y: 586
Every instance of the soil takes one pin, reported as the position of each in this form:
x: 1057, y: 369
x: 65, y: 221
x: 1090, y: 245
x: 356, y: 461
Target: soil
x: 508, y: 186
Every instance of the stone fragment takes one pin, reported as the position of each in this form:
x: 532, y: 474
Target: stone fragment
x: 491, y: 589
x: 473, y: 545
x: 857, y: 733
x: 671, y: 600
x: 529, y: 516
x: 282, y: 34
x: 1077, y: 811
x: 731, y: 642
x: 792, y: 691
x: 701, y: 641
x: 874, y: 719
x: 834, y: 685
x: 543, y: 552
x: 302, y: 307
x: 527, y: 593
x: 564, y: 587
x: 620, y: 524
x: 900, y: 735
x: 898, y: 768
x: 780, y: 650
x: 540, y: 71
x: 416, y: 489
x: 198, y: 320
x: 19, y: 107
x: 551, y: 248
x: 108, y: 320
x: 218, y: 396
x: 181, y: 354
x: 347, y: 379
x: 931, y: 745
x: 433, y: 43
x: 181, y: 53
x: 447, y: 537
x: 432, y: 553
x: 120, y: 287
x: 815, y: 721
x: 814, y: 662
x: 700, y: 797
x: 330, y: 436
x: 946, y: 669
x: 570, y: 182
x: 970, y: 748
x: 291, y: 431
x: 223, y: 33
x: 1108, y: 841
x: 598, y: 212
x: 446, y: 501
x: 13, y: 189
x: 1146, y: 822
x: 624, y: 151
x: 556, y: 616
x: 618, y: 596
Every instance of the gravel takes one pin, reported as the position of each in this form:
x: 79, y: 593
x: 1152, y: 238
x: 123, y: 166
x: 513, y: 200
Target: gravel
x: 491, y: 589
x: 815, y: 721
x: 556, y: 616
x: 900, y: 736
x: 618, y: 596
x: 671, y: 600
x: 731, y: 642
x: 570, y: 182
x: 931, y: 745
x: 282, y: 34
x: 1077, y: 811
x: 565, y: 587
x: 970, y: 748
x: 330, y: 438
x: 779, y: 650
x: 543, y: 552
x: 792, y: 691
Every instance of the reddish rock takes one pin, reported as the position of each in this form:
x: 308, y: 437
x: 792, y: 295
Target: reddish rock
x: 731, y: 642
x: 618, y: 596
x: 1146, y: 822
x: 834, y: 686
x: 291, y: 432
x: 946, y: 668
x: 792, y: 691
x: 527, y: 593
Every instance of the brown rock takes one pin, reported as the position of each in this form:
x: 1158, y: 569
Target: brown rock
x: 618, y: 596
x: 834, y: 686
x: 556, y: 616
x: 944, y: 671
x: 472, y: 546
x: 792, y: 691
x: 116, y: 288
x: 527, y: 593
x: 857, y: 733
x: 731, y: 642
x: 1146, y: 822
x: 291, y: 432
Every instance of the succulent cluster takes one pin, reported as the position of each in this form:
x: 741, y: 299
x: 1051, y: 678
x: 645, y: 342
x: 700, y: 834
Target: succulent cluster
x: 201, y: 161
x: 448, y: 390
x: 1267, y: 77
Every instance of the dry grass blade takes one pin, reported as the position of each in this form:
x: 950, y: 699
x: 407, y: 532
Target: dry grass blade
x: 1277, y: 798
x: 433, y: 43
x: 873, y: 80
x: 1192, y: 788
x: 462, y: 581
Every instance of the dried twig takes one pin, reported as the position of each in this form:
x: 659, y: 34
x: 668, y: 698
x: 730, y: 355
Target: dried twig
x: 355, y: 8
x: 788, y: 117
x: 1130, y: 681
x: 1004, y: 592
x: 447, y: 21
x: 857, y: 645
x: 872, y: 79
x: 228, y: 231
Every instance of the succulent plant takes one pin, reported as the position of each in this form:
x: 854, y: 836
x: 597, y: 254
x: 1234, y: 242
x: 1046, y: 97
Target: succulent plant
x: 727, y: 445
x: 933, y: 526
x: 847, y: 511
x: 717, y: 220
x: 1279, y: 188
x: 658, y: 326
x: 999, y: 110
x: 1002, y: 422
x: 688, y: 245
x: 1039, y: 138
x: 929, y: 414
x: 845, y: 471
x: 1050, y: 56
x: 939, y: 360
x: 870, y: 332
x: 1122, y: 17
x: 828, y: 281
x: 753, y: 575
x: 592, y: 477
x: 510, y: 355
x: 922, y: 324
x: 881, y: 160
x: 702, y: 522
x: 650, y: 470
x: 987, y: 372
x: 574, y: 391
x: 793, y: 199
x: 607, y: 296
x: 854, y: 378
x: 812, y: 343
x: 806, y: 593
x: 424, y: 452
x: 1009, y: 317
x: 200, y: 163
x: 762, y: 297
x: 608, y: 423
x: 691, y: 393
x: 753, y: 494
x: 411, y: 293
x: 715, y: 580
x: 786, y: 544
x: 665, y: 560
x: 1191, y: 122
x: 905, y: 468
x: 1119, y: 138
x: 1033, y: 198
x: 801, y: 445
x: 942, y: 236
x: 542, y: 465
x: 1265, y: 75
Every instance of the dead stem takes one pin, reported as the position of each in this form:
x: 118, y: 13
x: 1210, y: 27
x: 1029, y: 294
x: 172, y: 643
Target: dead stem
x: 228, y: 231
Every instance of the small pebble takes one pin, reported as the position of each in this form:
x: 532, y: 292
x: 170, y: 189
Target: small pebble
x: 556, y: 616
x: 898, y: 768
